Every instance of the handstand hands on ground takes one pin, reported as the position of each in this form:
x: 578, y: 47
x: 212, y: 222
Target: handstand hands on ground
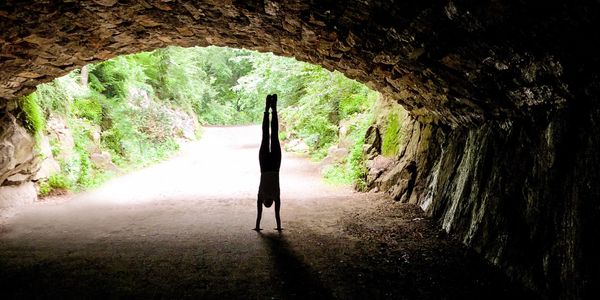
x: 269, y: 157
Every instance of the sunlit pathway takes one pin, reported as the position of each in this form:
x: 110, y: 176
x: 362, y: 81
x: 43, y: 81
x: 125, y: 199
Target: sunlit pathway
x: 182, y: 229
x: 185, y: 223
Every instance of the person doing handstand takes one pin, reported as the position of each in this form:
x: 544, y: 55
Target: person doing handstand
x: 269, y: 158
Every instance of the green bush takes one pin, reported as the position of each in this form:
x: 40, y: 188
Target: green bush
x: 71, y: 168
x: 352, y: 170
x: 85, y: 178
x: 130, y: 100
x: 356, y: 165
x: 153, y: 122
x: 356, y: 160
x: 337, y: 174
x: 112, y: 140
x: 44, y: 189
x: 52, y: 98
x: 282, y: 135
x: 55, y: 146
x: 89, y: 109
x: 56, y: 181
x: 34, y: 116
x: 164, y: 150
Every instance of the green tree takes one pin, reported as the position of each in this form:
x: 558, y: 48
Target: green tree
x: 133, y: 100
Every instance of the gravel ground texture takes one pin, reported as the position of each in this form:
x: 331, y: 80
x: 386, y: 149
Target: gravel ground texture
x: 183, y: 229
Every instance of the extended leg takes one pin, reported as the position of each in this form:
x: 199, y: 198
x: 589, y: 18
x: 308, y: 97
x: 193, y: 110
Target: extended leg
x: 263, y: 152
x: 275, y: 146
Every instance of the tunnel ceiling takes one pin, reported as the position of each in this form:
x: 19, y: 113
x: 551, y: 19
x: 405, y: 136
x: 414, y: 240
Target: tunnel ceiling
x: 455, y: 63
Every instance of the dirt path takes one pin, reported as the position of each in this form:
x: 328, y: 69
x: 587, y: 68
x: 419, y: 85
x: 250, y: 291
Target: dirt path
x: 182, y: 229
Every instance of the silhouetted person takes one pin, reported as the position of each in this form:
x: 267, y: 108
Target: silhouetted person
x: 269, y: 158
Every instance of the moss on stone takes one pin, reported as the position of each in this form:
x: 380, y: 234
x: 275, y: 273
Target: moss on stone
x: 35, y: 121
x: 391, y: 137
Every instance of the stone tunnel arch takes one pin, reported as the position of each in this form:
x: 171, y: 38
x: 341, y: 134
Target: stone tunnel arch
x: 487, y: 83
x: 60, y: 41
x: 394, y: 48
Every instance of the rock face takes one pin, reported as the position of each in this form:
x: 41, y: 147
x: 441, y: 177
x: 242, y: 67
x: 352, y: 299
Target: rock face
x: 103, y: 161
x: 452, y: 63
x: 183, y: 126
x: 524, y: 194
x: 48, y: 165
x: 18, y: 163
x: 15, y: 195
x: 61, y: 134
x: 502, y: 95
x: 335, y: 154
x: 58, y: 131
x: 296, y: 145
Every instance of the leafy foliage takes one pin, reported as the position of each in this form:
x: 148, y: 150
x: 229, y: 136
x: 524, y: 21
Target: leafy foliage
x: 34, y: 116
x: 89, y: 109
x: 135, y: 100
x: 312, y: 100
x: 353, y: 170
x: 56, y: 181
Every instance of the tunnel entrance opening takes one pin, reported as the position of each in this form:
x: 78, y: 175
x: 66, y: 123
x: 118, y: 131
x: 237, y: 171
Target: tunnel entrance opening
x: 131, y: 111
x: 204, y: 199
x: 501, y: 96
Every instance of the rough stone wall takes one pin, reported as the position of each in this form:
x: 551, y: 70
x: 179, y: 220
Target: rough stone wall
x: 453, y: 62
x: 523, y: 194
x: 503, y: 96
x: 516, y: 197
x: 18, y: 160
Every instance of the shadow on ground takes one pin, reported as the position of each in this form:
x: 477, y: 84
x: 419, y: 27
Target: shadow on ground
x: 295, y: 278
x: 182, y: 230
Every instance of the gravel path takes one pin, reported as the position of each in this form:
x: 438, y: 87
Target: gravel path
x: 182, y: 229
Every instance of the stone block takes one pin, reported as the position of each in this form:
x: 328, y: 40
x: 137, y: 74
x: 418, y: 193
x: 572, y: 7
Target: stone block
x: 17, y: 195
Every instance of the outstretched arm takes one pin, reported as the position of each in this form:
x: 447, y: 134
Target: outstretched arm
x: 277, y: 218
x: 258, y: 214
